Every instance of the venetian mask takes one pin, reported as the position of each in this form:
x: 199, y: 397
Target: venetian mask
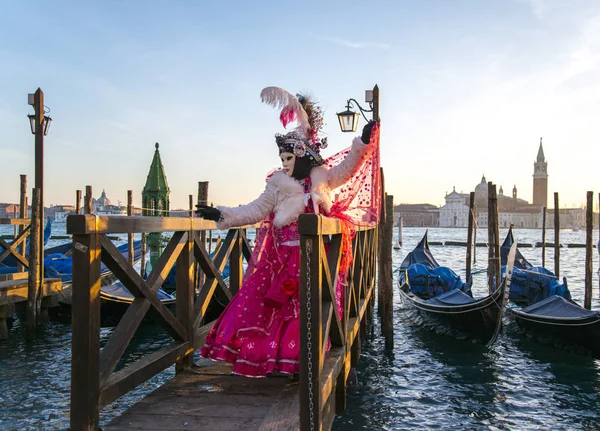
x: 288, y: 160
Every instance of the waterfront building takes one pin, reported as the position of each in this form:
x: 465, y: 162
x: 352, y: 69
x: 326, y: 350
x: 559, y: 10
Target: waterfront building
x: 417, y: 215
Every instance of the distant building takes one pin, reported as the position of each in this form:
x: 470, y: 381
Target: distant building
x: 511, y: 209
x: 9, y: 210
x: 417, y: 215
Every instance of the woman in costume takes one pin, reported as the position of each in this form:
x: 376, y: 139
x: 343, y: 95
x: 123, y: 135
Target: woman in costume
x: 258, y: 332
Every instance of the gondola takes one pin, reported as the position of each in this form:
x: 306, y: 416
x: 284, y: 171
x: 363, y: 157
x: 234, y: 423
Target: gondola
x: 114, y: 296
x: 556, y: 317
x: 445, y: 303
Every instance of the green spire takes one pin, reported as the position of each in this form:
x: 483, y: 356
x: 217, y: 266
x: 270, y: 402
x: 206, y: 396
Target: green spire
x: 155, y: 195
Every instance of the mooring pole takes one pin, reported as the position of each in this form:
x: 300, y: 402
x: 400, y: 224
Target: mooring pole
x: 34, y: 265
x: 589, y: 227
x: 544, y: 237
x: 470, y: 234
x: 556, y: 236
x: 130, y: 252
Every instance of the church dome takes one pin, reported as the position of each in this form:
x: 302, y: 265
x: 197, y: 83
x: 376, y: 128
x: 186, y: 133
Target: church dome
x: 103, y: 200
x: 481, y: 190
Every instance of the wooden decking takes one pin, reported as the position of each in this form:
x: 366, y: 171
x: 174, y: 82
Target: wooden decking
x: 13, y: 291
x: 209, y: 397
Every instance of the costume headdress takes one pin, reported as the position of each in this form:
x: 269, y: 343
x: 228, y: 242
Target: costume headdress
x: 304, y: 140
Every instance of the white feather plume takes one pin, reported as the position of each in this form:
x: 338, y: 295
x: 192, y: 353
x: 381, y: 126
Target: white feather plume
x: 282, y: 99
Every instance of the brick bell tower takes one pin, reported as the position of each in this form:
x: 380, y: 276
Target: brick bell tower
x: 540, y: 179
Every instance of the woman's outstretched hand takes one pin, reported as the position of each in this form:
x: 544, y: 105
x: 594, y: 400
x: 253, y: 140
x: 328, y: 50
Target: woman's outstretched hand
x: 208, y: 213
x: 366, y: 133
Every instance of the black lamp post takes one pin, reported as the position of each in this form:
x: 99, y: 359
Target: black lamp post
x: 39, y: 124
x: 349, y: 119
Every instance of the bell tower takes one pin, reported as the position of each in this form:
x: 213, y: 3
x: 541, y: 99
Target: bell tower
x: 155, y: 202
x: 540, y: 179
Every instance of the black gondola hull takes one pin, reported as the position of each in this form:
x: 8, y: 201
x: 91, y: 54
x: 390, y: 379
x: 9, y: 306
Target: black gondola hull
x: 578, y: 333
x: 476, y: 321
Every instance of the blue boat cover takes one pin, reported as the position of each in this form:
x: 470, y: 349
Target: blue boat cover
x: 530, y: 284
x: 425, y: 275
x: 556, y: 306
x: 453, y: 297
x: 421, y: 254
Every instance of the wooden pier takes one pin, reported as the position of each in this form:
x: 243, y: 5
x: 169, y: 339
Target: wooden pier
x: 209, y: 396
x: 28, y: 289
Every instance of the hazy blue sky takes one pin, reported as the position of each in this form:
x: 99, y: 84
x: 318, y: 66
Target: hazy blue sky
x: 467, y: 88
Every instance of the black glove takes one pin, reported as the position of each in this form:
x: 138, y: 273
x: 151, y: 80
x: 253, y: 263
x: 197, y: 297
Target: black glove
x: 208, y: 213
x: 366, y: 133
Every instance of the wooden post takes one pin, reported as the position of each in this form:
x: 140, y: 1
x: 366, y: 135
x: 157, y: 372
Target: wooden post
x: 598, y: 246
x: 311, y: 335
x: 556, y: 236
x: 493, y: 243
x: 379, y: 248
x: 77, y: 202
x: 85, y: 321
x: 88, y: 200
x: 34, y: 267
x: 143, y: 255
x: 589, y: 227
x: 470, y: 234
x: 130, y: 253
x: 22, y: 214
x: 202, y: 200
x: 191, y: 203
x: 400, y: 230
x: 376, y: 103
x: 475, y: 216
x: 387, y: 281
x: 185, y: 296
x: 544, y: 237
x: 39, y: 170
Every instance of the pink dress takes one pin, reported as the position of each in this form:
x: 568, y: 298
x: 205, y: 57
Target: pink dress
x: 259, y: 329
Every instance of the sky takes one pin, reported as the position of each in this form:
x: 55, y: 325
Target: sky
x: 467, y: 89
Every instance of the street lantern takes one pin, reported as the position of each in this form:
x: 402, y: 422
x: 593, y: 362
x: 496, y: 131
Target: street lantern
x: 45, y: 124
x: 348, y: 120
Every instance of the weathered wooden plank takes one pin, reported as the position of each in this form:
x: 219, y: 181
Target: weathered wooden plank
x: 128, y: 378
x: 283, y: 415
x: 336, y: 333
x: 327, y: 226
x: 15, y: 221
x: 167, y: 422
x: 135, y: 224
x: 13, y: 291
x: 334, y: 360
x: 13, y: 276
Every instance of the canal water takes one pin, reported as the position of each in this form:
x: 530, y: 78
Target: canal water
x: 427, y: 381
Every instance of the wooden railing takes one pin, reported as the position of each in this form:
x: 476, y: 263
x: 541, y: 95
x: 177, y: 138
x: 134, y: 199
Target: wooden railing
x: 16, y: 247
x: 94, y: 381
x: 323, y: 374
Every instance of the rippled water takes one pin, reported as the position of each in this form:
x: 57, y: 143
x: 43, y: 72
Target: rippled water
x: 428, y: 381
x: 432, y: 381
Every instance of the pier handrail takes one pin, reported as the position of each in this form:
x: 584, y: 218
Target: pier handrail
x: 18, y: 242
x: 94, y: 381
x: 323, y: 374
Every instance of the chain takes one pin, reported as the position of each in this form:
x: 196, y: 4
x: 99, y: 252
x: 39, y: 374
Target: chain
x: 309, y: 337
